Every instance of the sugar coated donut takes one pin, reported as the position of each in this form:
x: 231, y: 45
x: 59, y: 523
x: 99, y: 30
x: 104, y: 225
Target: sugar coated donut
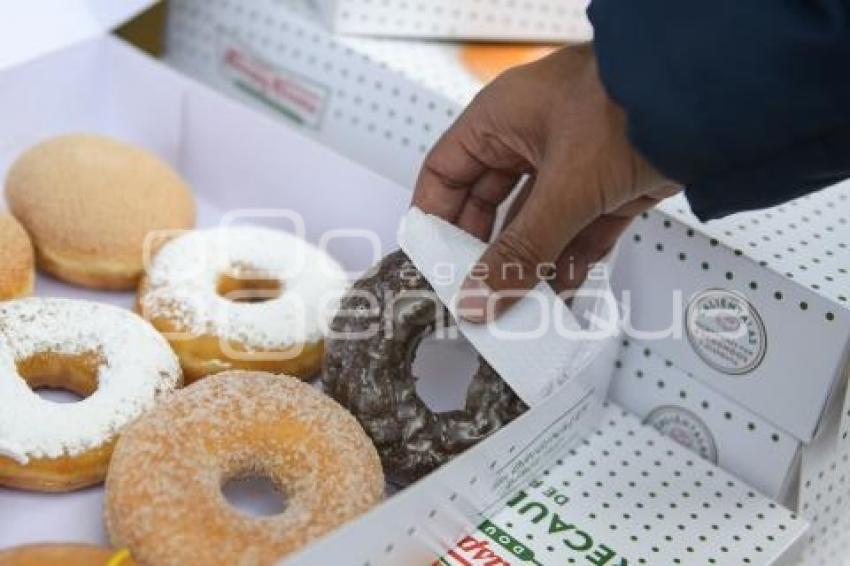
x: 488, y: 60
x: 163, y: 492
x: 17, y: 274
x: 70, y: 554
x: 367, y: 369
x: 89, y: 202
x: 109, y: 355
x: 243, y: 298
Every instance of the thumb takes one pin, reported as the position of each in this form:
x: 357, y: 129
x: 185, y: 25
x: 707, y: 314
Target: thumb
x: 526, y: 250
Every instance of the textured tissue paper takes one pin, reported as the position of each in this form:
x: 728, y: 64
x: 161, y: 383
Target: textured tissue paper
x: 535, y: 356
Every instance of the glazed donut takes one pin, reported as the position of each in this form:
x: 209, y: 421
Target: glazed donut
x: 369, y: 372
x: 104, y: 353
x: 17, y: 275
x: 488, y: 60
x: 163, y: 492
x: 202, y: 291
x: 89, y: 202
x: 70, y: 554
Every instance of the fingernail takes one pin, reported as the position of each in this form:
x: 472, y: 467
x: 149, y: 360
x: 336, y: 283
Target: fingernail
x: 474, y: 301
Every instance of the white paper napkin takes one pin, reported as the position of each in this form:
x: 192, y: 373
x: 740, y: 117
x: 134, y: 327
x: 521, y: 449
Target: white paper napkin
x: 538, y: 345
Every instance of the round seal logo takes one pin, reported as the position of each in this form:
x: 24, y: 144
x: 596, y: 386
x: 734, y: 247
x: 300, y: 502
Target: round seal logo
x: 726, y: 331
x: 685, y: 428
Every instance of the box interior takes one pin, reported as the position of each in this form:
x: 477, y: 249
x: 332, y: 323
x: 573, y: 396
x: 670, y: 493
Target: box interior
x: 104, y: 86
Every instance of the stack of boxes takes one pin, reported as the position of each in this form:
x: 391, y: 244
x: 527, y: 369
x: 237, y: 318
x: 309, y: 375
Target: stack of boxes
x: 749, y: 317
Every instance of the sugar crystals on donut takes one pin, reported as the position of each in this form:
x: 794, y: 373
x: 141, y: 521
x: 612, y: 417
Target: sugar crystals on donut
x: 163, y: 493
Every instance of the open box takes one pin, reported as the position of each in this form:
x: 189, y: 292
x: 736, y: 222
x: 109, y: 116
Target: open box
x: 235, y: 159
x: 389, y: 97
x: 629, y: 487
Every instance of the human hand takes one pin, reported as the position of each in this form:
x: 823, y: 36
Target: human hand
x: 551, y: 120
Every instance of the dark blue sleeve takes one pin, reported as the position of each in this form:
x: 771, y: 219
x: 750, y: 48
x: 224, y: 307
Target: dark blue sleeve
x: 746, y: 102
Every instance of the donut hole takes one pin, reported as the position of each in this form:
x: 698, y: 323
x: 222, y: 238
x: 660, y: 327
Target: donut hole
x: 254, y: 494
x: 61, y: 378
x: 242, y: 284
x: 443, y: 367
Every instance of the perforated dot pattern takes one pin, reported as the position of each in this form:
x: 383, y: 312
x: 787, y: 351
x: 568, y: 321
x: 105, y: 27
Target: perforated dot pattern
x: 650, y: 501
x: 436, y: 66
x: 667, y: 262
x: 535, y: 20
x: 806, y: 240
x: 791, y: 262
x: 829, y: 541
x: 824, y: 497
x: 709, y: 424
x: 382, y: 103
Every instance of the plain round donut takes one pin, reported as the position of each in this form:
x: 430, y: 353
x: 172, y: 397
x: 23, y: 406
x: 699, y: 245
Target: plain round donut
x: 64, y: 554
x: 163, y: 492
x: 17, y: 275
x: 106, y: 354
x: 244, y: 297
x: 367, y: 369
x: 89, y: 202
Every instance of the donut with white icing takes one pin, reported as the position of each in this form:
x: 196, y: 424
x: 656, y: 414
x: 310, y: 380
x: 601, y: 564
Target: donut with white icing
x: 246, y: 298
x: 108, y: 355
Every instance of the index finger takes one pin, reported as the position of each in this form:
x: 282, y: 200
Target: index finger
x: 449, y: 172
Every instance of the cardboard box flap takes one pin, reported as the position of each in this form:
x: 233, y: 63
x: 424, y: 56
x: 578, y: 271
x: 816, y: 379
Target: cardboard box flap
x: 31, y: 29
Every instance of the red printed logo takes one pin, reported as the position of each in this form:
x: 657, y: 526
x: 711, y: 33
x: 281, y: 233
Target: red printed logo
x: 295, y: 96
x: 474, y: 552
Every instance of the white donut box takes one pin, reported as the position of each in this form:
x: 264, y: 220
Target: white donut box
x: 385, y: 97
x: 502, y: 20
x: 776, y: 426
x: 537, y: 491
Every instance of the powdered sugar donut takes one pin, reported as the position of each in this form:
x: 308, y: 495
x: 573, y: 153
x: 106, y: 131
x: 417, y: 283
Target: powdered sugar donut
x: 110, y: 356
x: 245, y: 298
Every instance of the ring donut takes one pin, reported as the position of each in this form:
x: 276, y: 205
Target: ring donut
x: 163, y: 493
x: 70, y: 554
x: 17, y: 274
x: 369, y: 372
x: 89, y: 202
x: 108, y: 355
x: 244, y: 298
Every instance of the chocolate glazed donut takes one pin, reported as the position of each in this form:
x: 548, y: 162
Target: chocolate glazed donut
x: 367, y: 368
